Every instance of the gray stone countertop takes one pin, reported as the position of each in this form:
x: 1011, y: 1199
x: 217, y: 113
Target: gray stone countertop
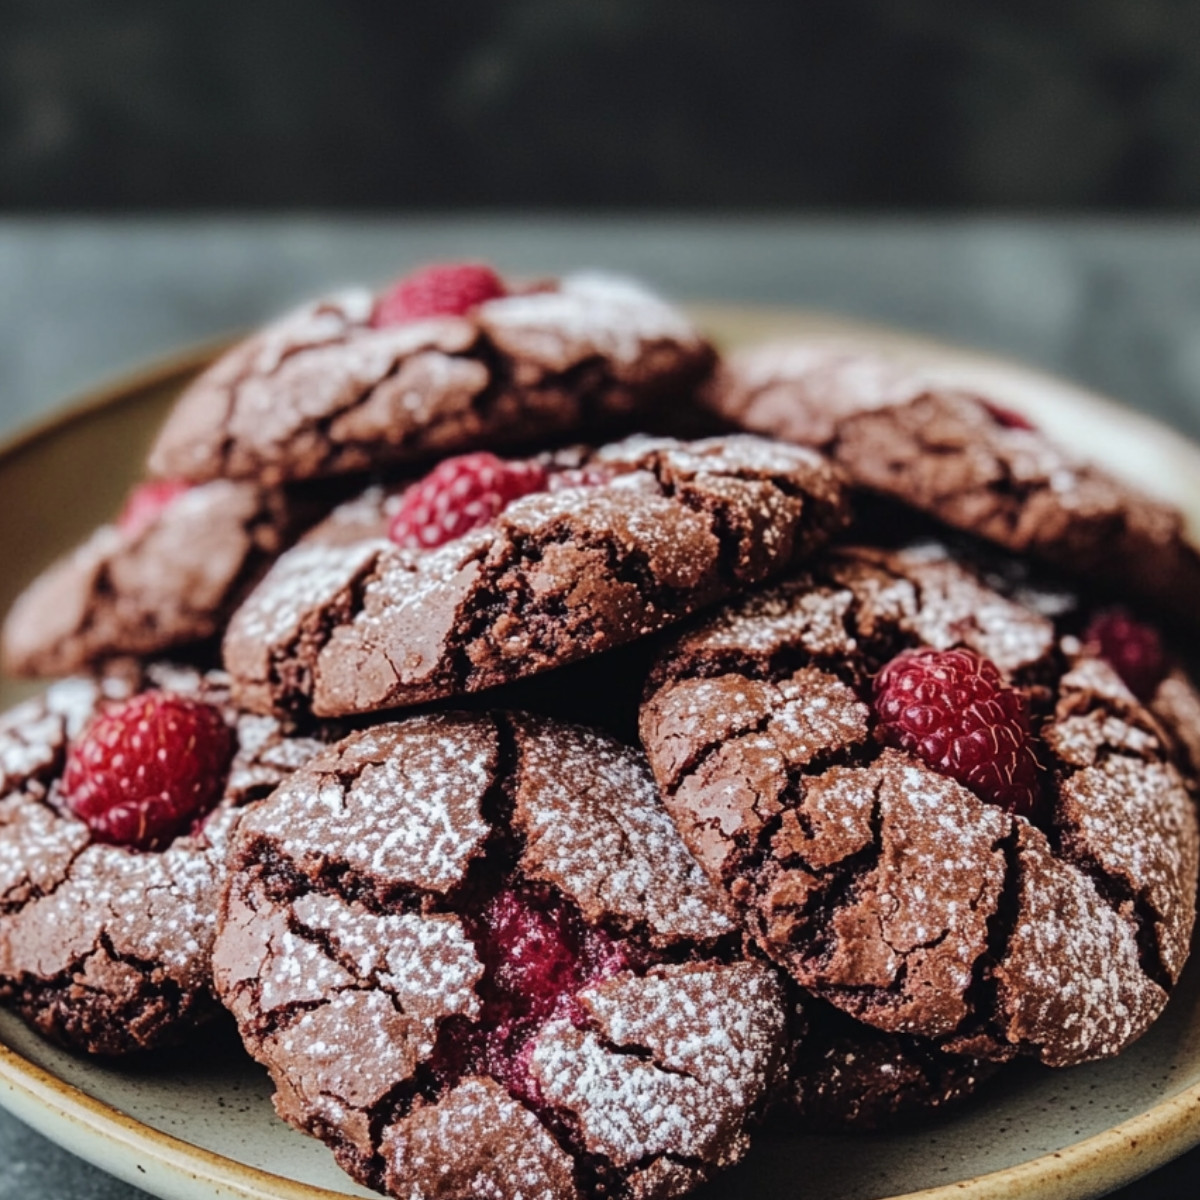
x: 1114, y: 304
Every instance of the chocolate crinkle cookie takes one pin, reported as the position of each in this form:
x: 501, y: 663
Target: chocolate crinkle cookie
x: 165, y: 575
x: 117, y: 799
x: 928, y: 810
x: 851, y: 1076
x: 450, y: 359
x: 493, y: 570
x: 478, y: 961
x: 908, y: 432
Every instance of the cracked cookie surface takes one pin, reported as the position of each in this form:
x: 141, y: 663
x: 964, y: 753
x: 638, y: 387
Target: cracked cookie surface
x: 891, y: 890
x: 908, y: 434
x: 325, y: 392
x: 104, y: 948
x: 347, y: 622
x: 164, y: 585
x: 477, y: 960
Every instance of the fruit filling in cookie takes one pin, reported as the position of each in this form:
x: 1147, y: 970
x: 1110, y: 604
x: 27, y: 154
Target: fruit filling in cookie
x: 477, y: 960
x: 538, y: 954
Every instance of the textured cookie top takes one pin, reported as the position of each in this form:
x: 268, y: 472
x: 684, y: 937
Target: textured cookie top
x: 152, y: 586
x: 324, y: 391
x: 103, y: 946
x: 888, y: 887
x: 478, y: 960
x: 961, y: 458
x: 344, y: 625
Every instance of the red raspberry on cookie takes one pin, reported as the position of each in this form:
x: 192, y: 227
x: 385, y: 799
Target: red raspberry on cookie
x: 438, y: 291
x: 147, y: 768
x: 952, y: 709
x: 461, y: 494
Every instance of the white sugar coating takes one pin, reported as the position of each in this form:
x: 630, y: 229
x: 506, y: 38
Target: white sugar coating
x: 316, y: 323
x: 811, y: 618
x: 737, y: 454
x: 955, y: 608
x: 1070, y: 983
x: 36, y: 849
x: 399, y: 803
x: 346, y: 1053
x: 1078, y: 740
x: 813, y: 713
x: 722, y: 1024
x: 589, y: 314
x: 627, y: 1108
x: 743, y: 454
x: 595, y: 827
x: 844, y: 375
x: 1138, y: 822
x: 76, y: 904
x: 1091, y: 675
x: 422, y: 961
x: 917, y: 920
x: 300, y: 584
x: 158, y: 908
x: 476, y: 1142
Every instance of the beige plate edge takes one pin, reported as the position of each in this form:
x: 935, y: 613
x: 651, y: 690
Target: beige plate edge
x: 170, y: 1167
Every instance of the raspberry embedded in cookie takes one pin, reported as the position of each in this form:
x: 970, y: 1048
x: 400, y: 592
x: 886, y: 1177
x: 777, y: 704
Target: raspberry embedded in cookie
x: 459, y: 495
x: 538, y: 954
x: 145, y: 502
x: 952, y: 709
x: 1132, y: 649
x: 144, y: 770
x: 438, y: 291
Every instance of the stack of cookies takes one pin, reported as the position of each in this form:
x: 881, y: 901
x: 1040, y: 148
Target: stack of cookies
x: 793, y: 736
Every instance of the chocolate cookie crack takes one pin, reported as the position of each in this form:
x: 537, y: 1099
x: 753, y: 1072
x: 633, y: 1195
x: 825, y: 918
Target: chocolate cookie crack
x: 507, y: 972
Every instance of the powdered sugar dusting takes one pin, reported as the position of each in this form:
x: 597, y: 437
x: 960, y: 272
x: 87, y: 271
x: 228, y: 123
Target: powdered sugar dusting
x: 712, y: 1034
x: 399, y: 803
x: 301, y: 582
x: 77, y: 913
x: 477, y: 1142
x: 609, y: 845
x: 1071, y: 979
x: 589, y: 314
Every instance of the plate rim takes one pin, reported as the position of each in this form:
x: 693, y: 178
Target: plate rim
x: 1109, y: 1159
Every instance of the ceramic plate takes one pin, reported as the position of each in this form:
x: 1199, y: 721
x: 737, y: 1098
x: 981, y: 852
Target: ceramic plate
x: 199, y: 1124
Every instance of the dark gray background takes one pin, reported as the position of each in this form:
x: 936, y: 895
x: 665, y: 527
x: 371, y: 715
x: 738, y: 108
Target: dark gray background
x: 599, y: 103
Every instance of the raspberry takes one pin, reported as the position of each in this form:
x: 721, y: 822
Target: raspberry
x: 439, y: 291
x: 147, y: 769
x: 537, y: 955
x: 145, y: 502
x: 952, y: 709
x: 1133, y: 650
x: 1007, y: 417
x: 459, y: 495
